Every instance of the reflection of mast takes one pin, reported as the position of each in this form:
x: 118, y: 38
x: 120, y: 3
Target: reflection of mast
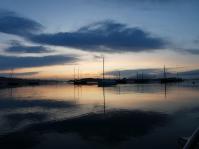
x: 104, y: 100
x: 77, y: 93
x: 11, y: 92
x: 119, y: 90
x: 74, y: 91
x: 165, y: 90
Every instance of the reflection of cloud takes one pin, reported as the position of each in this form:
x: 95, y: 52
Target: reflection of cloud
x: 193, y: 110
x: 107, y: 36
x: 18, y: 119
x: 17, y: 104
x: 138, y: 88
x: 112, y: 127
x: 8, y: 62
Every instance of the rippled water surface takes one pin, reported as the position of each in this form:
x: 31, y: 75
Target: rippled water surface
x: 125, y: 116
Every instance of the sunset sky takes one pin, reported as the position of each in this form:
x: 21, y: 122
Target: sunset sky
x: 48, y: 38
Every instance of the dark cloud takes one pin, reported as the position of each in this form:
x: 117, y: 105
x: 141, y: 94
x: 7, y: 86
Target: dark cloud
x: 191, y: 51
x: 20, y: 74
x: 17, y: 47
x: 151, y: 2
x: 196, y: 41
x: 107, y: 36
x: 14, y: 24
x: 8, y: 62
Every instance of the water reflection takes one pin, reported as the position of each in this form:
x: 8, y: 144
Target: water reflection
x: 16, y: 104
x: 18, y: 120
x: 104, y: 97
x: 112, y: 127
x: 124, y: 116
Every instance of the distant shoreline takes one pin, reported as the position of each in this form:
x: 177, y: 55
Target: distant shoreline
x: 16, y: 82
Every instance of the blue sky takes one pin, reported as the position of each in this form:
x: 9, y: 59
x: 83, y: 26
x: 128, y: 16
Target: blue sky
x: 74, y: 28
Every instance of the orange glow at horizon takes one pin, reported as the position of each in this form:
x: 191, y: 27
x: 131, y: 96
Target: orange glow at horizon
x: 90, y: 67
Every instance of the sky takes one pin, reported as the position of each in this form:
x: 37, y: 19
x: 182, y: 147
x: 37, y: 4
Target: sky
x: 49, y: 38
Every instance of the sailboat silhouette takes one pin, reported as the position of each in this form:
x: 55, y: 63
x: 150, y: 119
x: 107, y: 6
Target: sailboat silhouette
x: 105, y: 82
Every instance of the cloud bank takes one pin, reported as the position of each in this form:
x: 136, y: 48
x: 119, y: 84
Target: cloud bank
x: 11, y: 23
x: 106, y: 36
x: 20, y: 74
x: 8, y: 62
x: 191, y: 51
x: 17, y: 47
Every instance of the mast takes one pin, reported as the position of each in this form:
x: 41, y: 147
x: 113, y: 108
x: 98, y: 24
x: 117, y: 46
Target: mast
x: 103, y: 67
x: 78, y: 72
x: 177, y: 75
x: 142, y: 76
x: 12, y: 73
x: 74, y: 74
x: 165, y: 76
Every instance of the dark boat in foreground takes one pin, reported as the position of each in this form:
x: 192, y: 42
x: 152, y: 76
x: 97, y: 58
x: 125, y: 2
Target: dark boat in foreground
x: 191, y: 142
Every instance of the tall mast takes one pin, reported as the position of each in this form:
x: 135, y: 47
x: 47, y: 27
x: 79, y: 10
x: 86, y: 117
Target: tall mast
x: 177, y: 75
x: 78, y: 72
x: 142, y: 76
x: 103, y: 67
x: 11, y: 73
x: 164, y: 72
x: 74, y: 74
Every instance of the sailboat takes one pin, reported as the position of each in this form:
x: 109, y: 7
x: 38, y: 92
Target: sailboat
x: 105, y: 82
x: 166, y: 79
x: 78, y: 81
x: 191, y: 142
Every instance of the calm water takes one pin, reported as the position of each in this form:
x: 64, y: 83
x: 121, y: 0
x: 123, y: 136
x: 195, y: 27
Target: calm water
x: 149, y: 116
